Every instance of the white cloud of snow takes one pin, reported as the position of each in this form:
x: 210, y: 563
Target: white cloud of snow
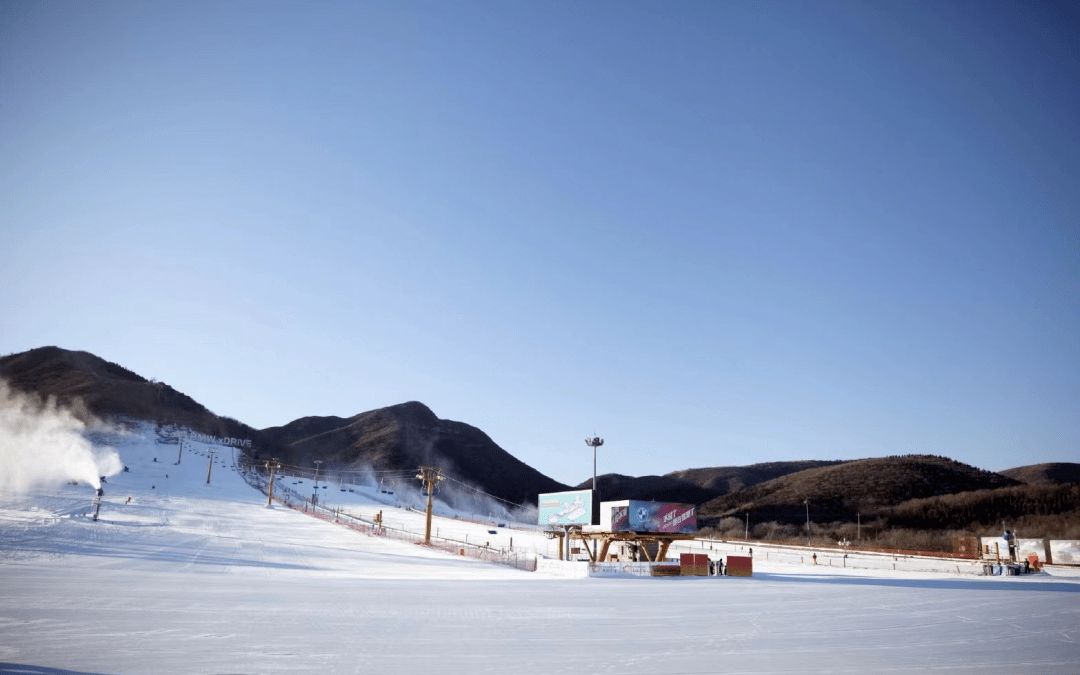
x: 43, y: 443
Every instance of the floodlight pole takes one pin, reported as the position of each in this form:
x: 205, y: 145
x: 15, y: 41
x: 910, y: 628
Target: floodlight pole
x: 594, y: 443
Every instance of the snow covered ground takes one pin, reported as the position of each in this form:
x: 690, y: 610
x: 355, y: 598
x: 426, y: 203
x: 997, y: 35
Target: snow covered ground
x: 196, y: 578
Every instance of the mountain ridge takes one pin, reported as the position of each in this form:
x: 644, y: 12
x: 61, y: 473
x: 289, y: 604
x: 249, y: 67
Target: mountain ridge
x: 405, y: 435
x: 410, y: 434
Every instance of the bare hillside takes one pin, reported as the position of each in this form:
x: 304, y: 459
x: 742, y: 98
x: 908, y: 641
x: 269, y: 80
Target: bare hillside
x: 1054, y: 473
x: 839, y: 491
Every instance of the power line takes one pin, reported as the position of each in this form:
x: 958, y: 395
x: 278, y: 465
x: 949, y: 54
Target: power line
x: 479, y: 491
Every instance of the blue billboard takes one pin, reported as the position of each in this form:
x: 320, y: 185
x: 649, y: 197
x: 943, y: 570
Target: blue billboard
x: 565, y: 508
x: 642, y: 516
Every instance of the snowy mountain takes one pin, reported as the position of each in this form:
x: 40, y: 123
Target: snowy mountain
x: 108, y: 390
x: 188, y: 570
x: 400, y: 437
x: 410, y: 435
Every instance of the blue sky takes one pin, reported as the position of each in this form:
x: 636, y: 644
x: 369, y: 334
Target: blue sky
x: 714, y: 233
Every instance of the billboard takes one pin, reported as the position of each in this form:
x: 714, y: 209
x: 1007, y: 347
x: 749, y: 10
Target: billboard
x: 565, y: 508
x: 664, y: 517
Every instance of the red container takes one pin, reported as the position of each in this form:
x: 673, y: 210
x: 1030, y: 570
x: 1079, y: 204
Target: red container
x: 740, y: 566
x: 694, y: 564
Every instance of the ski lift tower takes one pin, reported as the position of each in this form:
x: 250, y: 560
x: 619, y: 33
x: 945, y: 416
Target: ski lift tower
x: 315, y: 490
x: 430, y: 476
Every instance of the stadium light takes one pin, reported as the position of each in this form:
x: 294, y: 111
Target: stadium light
x: 594, y: 442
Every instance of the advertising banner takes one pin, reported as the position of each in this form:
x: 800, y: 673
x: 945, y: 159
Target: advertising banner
x: 562, y: 568
x: 665, y: 569
x: 620, y: 569
x: 565, y: 508
x: 1028, y: 547
x: 994, y: 548
x: 663, y: 517
x: 1065, y: 551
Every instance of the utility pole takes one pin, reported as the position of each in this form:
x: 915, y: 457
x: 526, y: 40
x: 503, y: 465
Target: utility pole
x: 209, y: 465
x: 747, y: 534
x: 858, y: 526
x: 430, y: 475
x: 180, y: 453
x: 807, y: 503
x: 315, y: 492
x: 271, y: 464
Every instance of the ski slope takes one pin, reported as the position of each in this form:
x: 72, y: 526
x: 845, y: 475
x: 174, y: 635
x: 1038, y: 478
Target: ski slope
x: 191, y: 577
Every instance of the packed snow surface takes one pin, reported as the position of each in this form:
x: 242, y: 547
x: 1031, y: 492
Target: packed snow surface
x: 194, y: 578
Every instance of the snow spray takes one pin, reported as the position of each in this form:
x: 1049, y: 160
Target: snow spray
x: 43, y: 443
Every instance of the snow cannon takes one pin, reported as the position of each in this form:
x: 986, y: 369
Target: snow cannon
x: 97, y: 502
